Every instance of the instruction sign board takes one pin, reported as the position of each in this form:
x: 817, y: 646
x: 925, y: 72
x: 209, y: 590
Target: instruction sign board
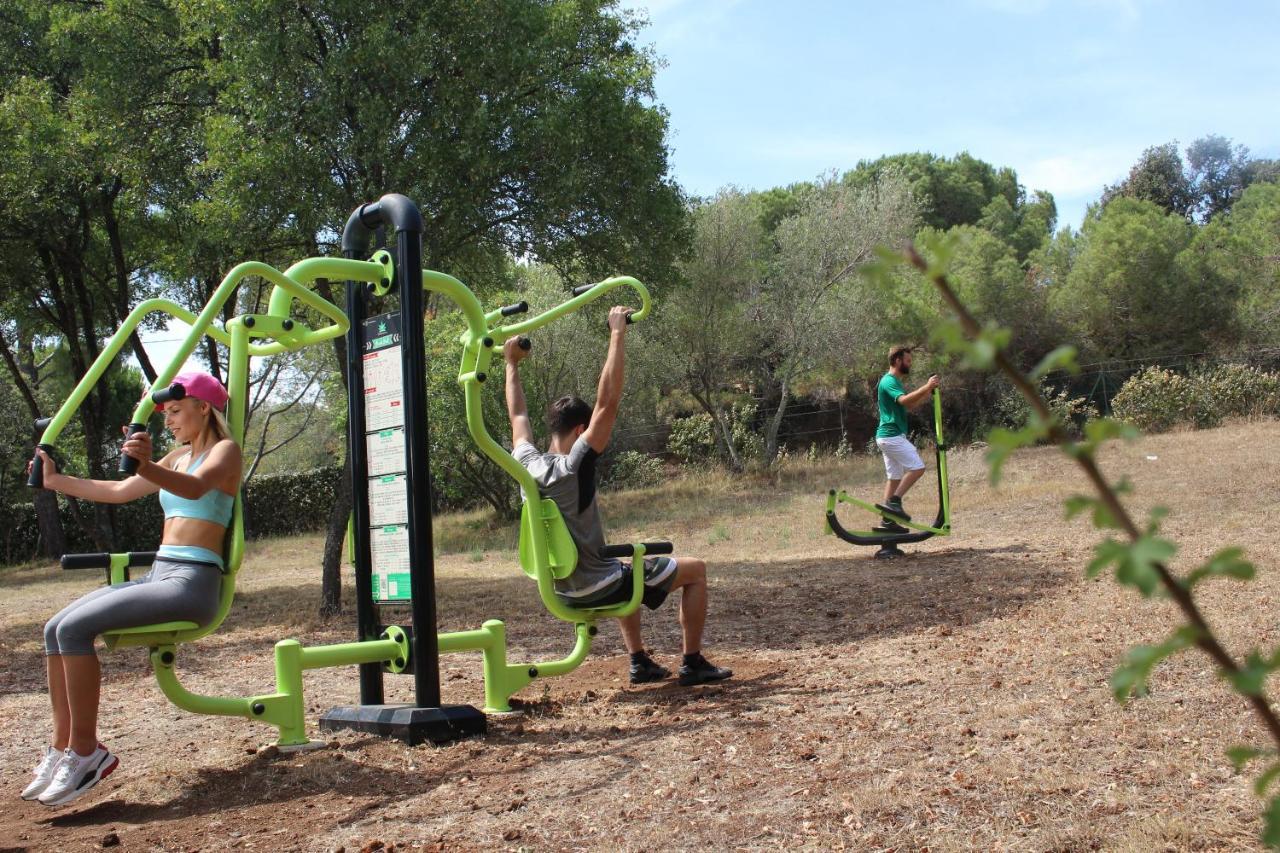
x: 385, y: 449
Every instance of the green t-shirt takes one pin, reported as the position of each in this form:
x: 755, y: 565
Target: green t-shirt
x: 893, y: 415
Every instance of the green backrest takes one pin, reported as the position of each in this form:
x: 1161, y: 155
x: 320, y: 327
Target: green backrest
x: 563, y: 556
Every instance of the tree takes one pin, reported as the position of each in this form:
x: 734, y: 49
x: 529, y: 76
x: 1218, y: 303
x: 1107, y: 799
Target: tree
x: 950, y: 190
x: 705, y: 321
x: 1243, y: 249
x: 553, y: 151
x: 1157, y: 177
x: 809, y: 305
x: 1134, y: 291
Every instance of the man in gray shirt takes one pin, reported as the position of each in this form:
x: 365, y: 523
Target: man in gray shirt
x: 567, y: 475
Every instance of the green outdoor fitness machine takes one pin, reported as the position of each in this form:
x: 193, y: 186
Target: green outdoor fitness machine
x: 390, y: 531
x: 888, y: 536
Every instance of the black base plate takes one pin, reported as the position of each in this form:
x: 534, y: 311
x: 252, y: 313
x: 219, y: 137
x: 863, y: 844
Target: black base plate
x: 887, y: 552
x: 407, y: 723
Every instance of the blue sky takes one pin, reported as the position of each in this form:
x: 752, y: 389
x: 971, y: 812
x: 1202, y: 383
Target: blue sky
x: 1068, y: 92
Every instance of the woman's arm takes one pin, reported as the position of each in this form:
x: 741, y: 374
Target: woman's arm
x: 99, y: 491
x: 221, y: 469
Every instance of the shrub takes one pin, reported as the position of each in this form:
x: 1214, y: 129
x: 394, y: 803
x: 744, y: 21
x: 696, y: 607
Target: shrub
x: 1014, y: 412
x: 275, y: 505
x: 1155, y: 399
x: 285, y: 504
x: 1237, y: 390
x: 692, y: 439
x: 633, y: 470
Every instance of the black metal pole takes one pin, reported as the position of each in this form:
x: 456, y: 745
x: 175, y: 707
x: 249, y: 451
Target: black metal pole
x: 367, y: 622
x: 403, y: 215
x: 426, y: 668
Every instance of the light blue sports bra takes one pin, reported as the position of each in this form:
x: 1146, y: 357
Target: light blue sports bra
x: 214, y: 505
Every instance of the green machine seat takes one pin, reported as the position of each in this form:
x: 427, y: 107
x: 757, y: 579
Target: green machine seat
x: 563, y: 552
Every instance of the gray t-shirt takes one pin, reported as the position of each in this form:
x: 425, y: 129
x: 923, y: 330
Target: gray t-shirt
x: 570, y: 481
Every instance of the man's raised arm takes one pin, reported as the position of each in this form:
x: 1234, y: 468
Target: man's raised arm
x: 517, y: 408
x: 609, y: 391
x: 918, y: 396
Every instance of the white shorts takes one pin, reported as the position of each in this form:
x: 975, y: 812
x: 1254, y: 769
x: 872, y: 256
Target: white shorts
x: 900, y: 456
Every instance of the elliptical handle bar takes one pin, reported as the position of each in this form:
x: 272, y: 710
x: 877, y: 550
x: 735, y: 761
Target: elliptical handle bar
x: 175, y: 391
x: 511, y: 310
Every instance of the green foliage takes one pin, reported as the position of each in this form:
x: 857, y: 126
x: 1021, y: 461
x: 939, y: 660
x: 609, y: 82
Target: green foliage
x: 1158, y: 177
x: 631, y: 469
x: 694, y: 439
x: 1071, y: 413
x: 1238, y: 390
x: 1131, y: 678
x: 1155, y: 399
x: 1136, y: 288
x: 285, y: 504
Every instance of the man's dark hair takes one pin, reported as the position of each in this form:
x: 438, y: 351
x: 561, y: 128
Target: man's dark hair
x: 566, y: 413
x: 896, y: 354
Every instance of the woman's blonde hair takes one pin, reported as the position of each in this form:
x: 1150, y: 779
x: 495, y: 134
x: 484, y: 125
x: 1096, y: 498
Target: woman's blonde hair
x: 218, y: 424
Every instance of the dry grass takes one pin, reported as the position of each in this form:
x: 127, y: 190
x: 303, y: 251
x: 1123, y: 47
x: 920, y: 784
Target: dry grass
x: 954, y: 700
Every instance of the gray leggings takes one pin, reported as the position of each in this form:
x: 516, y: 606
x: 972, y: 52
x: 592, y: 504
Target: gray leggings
x: 172, y: 591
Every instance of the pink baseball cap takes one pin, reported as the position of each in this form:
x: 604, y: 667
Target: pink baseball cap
x: 202, y: 386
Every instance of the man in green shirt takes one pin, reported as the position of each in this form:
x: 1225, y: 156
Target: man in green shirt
x: 902, y: 463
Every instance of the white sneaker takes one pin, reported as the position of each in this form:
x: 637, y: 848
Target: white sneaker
x: 77, y: 773
x: 44, y: 774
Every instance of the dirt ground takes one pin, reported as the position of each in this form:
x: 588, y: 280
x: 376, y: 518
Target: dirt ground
x: 956, y: 699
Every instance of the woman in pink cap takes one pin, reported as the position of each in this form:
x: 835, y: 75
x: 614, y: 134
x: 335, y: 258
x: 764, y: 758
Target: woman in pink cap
x: 197, y: 483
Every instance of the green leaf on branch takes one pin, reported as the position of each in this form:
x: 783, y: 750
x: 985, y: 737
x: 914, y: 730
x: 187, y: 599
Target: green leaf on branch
x: 1227, y: 563
x: 1157, y: 515
x: 1263, y: 782
x: 1271, y: 823
x: 1102, y: 517
x: 882, y: 272
x: 938, y: 248
x: 1131, y: 678
x: 1101, y: 430
x: 1242, y: 755
x: 978, y: 353
x: 1135, y: 562
x: 1250, y: 678
x: 1003, y: 442
x: 1062, y: 358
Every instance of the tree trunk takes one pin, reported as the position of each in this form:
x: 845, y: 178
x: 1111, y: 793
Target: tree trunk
x: 331, y: 566
x: 53, y: 539
x: 775, y: 424
x: 724, y: 432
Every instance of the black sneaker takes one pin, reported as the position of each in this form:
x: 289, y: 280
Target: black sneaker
x: 645, y: 671
x: 701, y: 672
x: 894, y: 508
x: 888, y: 525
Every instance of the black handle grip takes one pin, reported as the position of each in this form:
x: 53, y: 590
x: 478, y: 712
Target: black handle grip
x: 42, y: 424
x: 581, y: 289
x: 524, y: 343
x: 511, y: 310
x: 650, y: 549
x: 129, y: 465
x: 86, y: 561
x: 176, y: 391
x: 36, y: 478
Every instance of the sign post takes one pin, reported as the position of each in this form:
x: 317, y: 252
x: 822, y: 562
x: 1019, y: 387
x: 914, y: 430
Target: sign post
x: 388, y: 449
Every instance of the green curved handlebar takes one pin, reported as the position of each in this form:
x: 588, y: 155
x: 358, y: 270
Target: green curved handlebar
x: 502, y: 333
